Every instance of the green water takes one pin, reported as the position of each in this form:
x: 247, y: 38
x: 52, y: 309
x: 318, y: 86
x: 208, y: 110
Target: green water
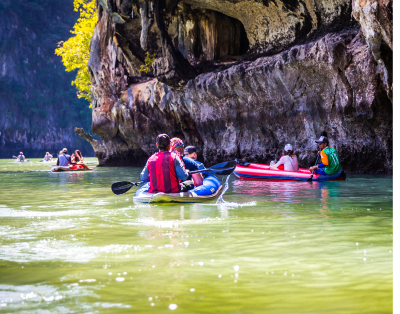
x: 68, y: 245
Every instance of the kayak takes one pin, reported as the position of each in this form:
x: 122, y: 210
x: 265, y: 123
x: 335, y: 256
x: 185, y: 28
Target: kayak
x: 70, y: 168
x: 253, y: 171
x: 210, y: 189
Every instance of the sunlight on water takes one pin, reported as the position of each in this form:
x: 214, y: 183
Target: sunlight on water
x: 68, y: 245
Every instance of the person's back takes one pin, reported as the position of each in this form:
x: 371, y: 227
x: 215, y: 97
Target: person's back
x: 288, y: 160
x: 21, y: 158
x: 289, y: 163
x: 164, y: 169
x: 64, y: 159
x: 330, y: 158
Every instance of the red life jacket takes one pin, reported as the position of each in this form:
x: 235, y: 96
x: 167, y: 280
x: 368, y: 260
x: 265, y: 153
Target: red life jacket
x: 162, y: 172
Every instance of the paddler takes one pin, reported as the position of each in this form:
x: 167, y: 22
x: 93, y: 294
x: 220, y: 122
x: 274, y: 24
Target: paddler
x: 164, y: 169
x: 64, y: 159
x: 177, y: 146
x: 21, y: 157
x: 190, y: 152
x: 330, y: 164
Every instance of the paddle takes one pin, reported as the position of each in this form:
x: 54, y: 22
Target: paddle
x: 312, y: 174
x: 222, y: 169
x: 122, y: 187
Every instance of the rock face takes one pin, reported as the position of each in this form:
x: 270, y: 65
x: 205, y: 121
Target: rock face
x: 38, y: 106
x: 243, y: 78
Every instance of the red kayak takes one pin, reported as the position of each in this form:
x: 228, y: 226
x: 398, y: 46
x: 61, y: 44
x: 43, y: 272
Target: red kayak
x: 263, y: 172
x: 74, y: 167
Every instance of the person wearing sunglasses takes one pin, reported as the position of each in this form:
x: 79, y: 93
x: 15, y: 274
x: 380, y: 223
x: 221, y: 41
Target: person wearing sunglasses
x: 330, y: 164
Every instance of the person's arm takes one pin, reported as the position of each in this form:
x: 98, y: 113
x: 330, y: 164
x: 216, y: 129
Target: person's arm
x: 324, y: 160
x: 58, y: 161
x: 145, y: 175
x: 180, y: 170
x: 69, y: 159
x: 280, y: 162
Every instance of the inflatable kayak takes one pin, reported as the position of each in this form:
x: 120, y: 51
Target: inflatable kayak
x: 263, y: 172
x: 210, y: 189
x: 71, y: 168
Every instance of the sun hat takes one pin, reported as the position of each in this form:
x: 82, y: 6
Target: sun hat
x: 288, y: 147
x: 21, y: 153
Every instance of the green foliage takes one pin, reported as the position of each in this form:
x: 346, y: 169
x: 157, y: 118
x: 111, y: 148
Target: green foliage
x: 148, y: 61
x: 75, y: 51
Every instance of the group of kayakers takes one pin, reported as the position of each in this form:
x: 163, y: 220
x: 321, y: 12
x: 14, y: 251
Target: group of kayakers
x: 168, y: 169
x: 330, y: 164
x: 63, y: 159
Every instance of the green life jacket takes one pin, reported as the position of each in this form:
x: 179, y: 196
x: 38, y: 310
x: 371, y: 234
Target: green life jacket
x: 333, y: 158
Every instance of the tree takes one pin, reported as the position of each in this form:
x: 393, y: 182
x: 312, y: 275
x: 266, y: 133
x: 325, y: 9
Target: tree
x: 76, y: 50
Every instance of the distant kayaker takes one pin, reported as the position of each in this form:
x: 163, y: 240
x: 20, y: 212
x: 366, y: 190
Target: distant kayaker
x: 164, y: 169
x: 288, y: 160
x: 330, y: 163
x: 190, y: 152
x: 77, y: 157
x: 47, y: 157
x: 177, y: 146
x: 21, y: 157
x: 64, y: 159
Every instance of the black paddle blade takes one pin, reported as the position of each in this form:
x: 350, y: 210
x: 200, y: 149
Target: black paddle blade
x: 121, y: 187
x: 224, y: 168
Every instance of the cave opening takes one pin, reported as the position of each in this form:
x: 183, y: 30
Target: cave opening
x: 206, y: 38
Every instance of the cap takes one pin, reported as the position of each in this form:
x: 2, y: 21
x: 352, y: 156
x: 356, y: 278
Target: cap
x: 322, y: 139
x: 163, y: 140
x: 288, y: 147
x: 190, y: 150
x: 21, y: 153
x: 64, y: 150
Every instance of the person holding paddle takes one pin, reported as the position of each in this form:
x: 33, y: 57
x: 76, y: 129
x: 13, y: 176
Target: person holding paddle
x: 164, y: 169
x: 330, y: 164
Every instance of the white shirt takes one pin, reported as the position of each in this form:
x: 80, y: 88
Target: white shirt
x: 290, y: 163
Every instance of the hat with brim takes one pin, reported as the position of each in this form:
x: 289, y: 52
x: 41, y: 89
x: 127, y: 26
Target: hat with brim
x: 322, y: 139
x: 190, y: 150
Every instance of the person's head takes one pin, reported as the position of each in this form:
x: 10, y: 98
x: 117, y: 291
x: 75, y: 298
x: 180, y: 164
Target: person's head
x: 191, y: 152
x: 47, y: 153
x: 288, y: 150
x: 177, y: 145
x: 78, y: 153
x: 64, y: 151
x: 163, y: 142
x: 21, y: 153
x: 322, y: 142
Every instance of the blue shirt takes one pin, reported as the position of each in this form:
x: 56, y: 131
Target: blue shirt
x: 192, y: 165
x: 63, y: 160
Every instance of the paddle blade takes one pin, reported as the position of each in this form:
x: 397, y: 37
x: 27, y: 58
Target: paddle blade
x: 121, y: 187
x: 224, y: 168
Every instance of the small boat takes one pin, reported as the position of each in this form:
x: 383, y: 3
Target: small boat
x: 75, y: 167
x: 251, y: 171
x: 210, y: 189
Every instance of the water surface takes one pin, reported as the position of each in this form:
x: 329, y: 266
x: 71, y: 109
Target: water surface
x: 68, y: 245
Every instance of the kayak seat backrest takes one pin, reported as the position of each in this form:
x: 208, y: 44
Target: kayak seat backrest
x: 209, y: 187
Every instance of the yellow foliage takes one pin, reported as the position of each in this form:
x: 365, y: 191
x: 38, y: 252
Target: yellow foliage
x: 76, y: 50
x: 148, y: 61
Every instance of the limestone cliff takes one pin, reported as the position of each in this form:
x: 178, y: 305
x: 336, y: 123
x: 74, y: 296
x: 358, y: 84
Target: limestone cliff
x: 243, y: 78
x: 39, y: 109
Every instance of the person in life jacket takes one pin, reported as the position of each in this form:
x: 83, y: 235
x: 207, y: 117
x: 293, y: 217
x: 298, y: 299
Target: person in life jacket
x: 330, y: 164
x: 191, y: 164
x: 164, y: 169
x: 64, y: 159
